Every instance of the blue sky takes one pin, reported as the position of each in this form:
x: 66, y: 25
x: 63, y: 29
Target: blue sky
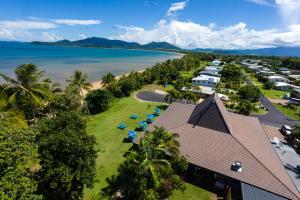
x: 230, y: 24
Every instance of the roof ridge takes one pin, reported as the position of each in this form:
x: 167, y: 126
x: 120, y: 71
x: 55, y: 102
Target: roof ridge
x: 223, y: 118
x: 218, y: 101
x: 297, y: 195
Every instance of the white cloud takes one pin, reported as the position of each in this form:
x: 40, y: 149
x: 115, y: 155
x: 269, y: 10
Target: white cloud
x: 82, y: 36
x: 26, y: 25
x: 289, y: 10
x: 261, y: 2
x: 49, y: 37
x: 190, y: 35
x: 73, y: 22
x: 176, y: 7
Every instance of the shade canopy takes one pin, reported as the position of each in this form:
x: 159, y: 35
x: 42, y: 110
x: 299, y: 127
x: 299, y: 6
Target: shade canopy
x: 131, y: 134
x: 133, y: 116
x: 150, y: 116
x: 143, y: 123
x: 122, y: 126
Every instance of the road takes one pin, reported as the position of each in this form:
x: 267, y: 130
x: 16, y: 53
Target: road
x: 274, y: 117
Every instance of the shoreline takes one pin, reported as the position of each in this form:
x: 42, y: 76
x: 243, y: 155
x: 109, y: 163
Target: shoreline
x: 98, y: 84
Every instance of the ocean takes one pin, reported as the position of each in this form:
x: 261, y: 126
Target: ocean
x: 60, y: 62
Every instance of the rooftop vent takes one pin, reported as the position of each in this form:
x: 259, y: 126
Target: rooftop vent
x: 236, y: 166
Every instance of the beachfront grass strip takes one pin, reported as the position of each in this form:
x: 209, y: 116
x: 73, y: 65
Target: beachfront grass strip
x: 110, y: 140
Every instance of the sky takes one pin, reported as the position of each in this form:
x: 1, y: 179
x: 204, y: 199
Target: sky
x: 221, y: 24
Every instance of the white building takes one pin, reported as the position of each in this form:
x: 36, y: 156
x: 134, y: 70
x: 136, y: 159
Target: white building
x: 285, y: 86
x: 285, y: 71
x: 278, y: 79
x: 266, y: 73
x: 216, y: 62
x: 205, y: 80
x: 212, y: 70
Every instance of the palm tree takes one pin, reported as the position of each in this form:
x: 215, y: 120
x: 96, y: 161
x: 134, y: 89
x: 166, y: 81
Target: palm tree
x: 26, y: 89
x: 78, y: 81
x: 173, y: 94
x: 108, y: 78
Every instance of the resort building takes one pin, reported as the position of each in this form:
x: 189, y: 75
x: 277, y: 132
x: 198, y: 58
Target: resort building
x: 205, y: 80
x: 285, y: 86
x: 278, y: 79
x: 216, y: 62
x: 285, y: 71
x: 212, y: 70
x: 233, y: 150
x: 266, y: 73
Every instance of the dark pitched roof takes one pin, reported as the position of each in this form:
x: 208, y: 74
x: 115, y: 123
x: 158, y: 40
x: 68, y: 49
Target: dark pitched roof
x: 250, y: 192
x: 213, y: 138
x: 209, y: 111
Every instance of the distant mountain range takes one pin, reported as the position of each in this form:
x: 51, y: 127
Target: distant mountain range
x: 277, y: 51
x: 107, y: 43
x: 165, y: 46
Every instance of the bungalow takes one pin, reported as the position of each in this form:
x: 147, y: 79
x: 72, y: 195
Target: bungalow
x: 285, y: 86
x: 216, y: 62
x: 205, y: 80
x: 233, y: 149
x: 285, y: 71
x: 212, y: 70
x: 278, y: 79
x: 266, y: 73
x: 295, y: 76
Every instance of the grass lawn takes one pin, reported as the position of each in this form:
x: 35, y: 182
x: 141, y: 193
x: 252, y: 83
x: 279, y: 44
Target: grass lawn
x: 110, y: 141
x: 289, y: 112
x: 151, y: 87
x: 192, y: 193
x: 273, y: 94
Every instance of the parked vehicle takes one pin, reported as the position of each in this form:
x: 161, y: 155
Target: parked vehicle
x: 286, y: 130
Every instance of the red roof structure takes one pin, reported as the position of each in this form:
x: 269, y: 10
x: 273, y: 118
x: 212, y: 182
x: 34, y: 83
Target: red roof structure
x: 213, y: 138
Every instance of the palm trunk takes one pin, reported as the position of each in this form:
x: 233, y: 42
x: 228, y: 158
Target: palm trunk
x: 84, y: 103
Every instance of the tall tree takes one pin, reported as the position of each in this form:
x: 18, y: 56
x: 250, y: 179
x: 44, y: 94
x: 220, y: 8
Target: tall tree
x: 149, y: 171
x: 78, y: 81
x: 108, y: 78
x: 17, y: 150
x: 67, y: 156
x: 26, y: 92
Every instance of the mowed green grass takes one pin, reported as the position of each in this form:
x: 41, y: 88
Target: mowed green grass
x: 110, y: 142
x: 192, y: 193
x: 294, y: 114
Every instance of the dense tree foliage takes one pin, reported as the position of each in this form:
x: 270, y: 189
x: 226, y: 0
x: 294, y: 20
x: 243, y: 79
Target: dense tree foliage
x: 26, y: 92
x: 245, y: 107
x: 151, y: 170
x: 291, y: 63
x: 17, y: 150
x: 232, y: 75
x: 108, y: 79
x: 249, y: 92
x: 98, y: 101
x: 67, y: 156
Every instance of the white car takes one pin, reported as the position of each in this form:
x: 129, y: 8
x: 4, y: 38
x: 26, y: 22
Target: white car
x: 286, y: 130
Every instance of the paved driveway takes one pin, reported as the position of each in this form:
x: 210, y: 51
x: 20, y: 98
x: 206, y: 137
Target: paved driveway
x: 274, y: 117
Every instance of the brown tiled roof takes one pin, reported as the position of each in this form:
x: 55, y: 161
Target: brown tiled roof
x: 213, y: 138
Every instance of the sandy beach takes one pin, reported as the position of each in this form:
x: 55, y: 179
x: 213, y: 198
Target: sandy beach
x: 98, y: 84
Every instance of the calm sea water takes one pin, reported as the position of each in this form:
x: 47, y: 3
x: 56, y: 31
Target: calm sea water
x: 60, y: 62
